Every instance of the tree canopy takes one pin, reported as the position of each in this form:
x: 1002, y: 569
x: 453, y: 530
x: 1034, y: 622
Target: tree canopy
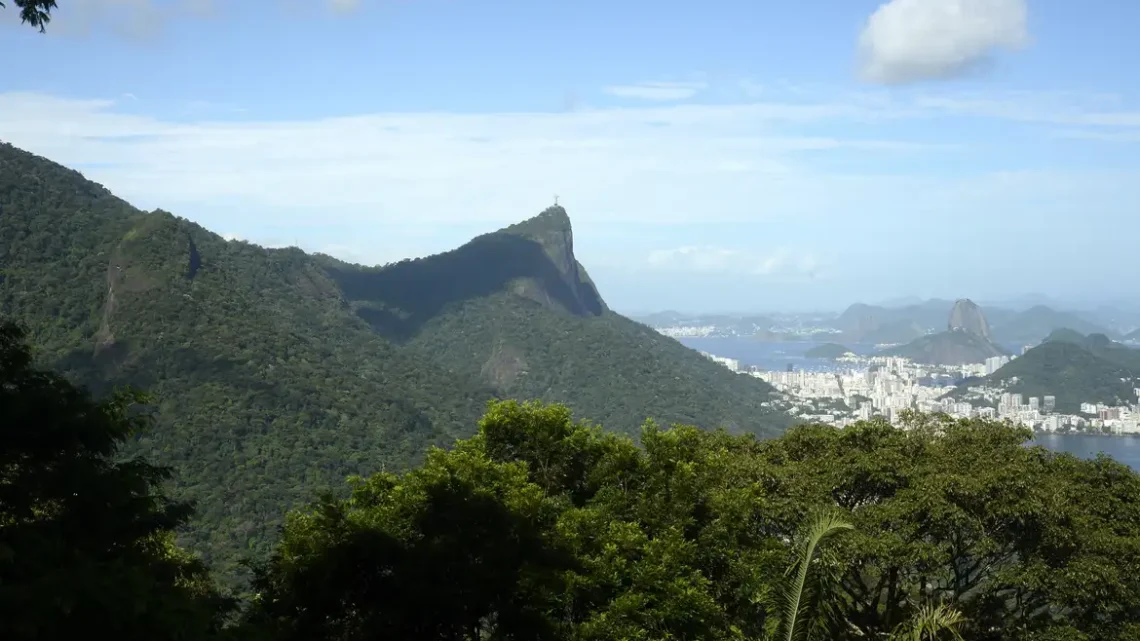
x: 36, y: 13
x: 86, y: 536
x: 540, y: 527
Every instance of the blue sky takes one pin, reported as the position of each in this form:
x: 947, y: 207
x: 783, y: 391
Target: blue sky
x: 724, y: 155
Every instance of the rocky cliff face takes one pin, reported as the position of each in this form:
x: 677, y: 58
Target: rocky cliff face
x: 552, y: 231
x: 967, y: 316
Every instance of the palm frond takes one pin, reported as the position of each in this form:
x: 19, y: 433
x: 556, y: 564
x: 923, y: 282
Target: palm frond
x: 820, y: 527
x: 929, y: 623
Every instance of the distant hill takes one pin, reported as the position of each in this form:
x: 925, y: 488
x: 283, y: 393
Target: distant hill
x: 968, y: 317
x: 955, y: 347
x: 1134, y: 335
x: 1074, y: 373
x: 878, y: 324
x: 1034, y: 324
x: 1067, y: 335
x: 277, y: 373
x: 874, y: 324
x: 965, y: 341
x: 829, y: 351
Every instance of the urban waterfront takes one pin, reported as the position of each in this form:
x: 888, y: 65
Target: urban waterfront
x: 777, y: 356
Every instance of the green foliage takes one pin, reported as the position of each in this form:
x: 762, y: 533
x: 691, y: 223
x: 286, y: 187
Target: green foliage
x: 1086, y: 372
x: 597, y: 538
x: 276, y: 374
x: 691, y: 535
x: 35, y: 13
x: 1035, y: 543
x: 795, y: 595
x: 86, y: 539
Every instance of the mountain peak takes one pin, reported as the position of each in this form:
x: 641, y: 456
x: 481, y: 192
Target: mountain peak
x: 552, y: 221
x: 551, y: 230
x: 967, y: 316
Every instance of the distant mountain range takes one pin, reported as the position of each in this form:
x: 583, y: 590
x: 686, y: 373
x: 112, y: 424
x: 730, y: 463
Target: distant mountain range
x: 885, y: 325
x: 276, y: 373
x: 871, y: 324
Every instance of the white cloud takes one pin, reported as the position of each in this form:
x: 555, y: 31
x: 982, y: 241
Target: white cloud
x: 659, y: 164
x: 720, y: 260
x: 662, y: 163
x: 911, y: 40
x: 661, y: 91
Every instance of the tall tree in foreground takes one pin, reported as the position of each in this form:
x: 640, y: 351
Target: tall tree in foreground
x: 36, y: 13
x: 86, y: 537
x: 540, y: 527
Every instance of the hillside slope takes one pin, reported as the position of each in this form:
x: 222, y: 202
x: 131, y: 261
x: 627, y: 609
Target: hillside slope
x: 514, y: 310
x: 1071, y: 373
x: 276, y: 373
x: 1073, y: 369
x: 956, y: 347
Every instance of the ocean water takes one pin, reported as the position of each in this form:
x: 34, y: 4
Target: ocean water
x: 777, y: 356
x: 770, y: 356
x: 1125, y: 449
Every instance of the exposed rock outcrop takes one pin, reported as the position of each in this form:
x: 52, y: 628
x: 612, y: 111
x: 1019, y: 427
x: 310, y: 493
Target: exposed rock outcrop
x: 967, y: 316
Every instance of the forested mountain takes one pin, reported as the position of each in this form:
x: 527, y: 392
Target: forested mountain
x: 276, y: 373
x: 1075, y: 369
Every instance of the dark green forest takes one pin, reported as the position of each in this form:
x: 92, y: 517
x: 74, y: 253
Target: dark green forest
x: 275, y: 374
x: 542, y: 527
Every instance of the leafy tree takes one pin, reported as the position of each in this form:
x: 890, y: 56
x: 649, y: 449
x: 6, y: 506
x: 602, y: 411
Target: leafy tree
x: 36, y: 13
x: 692, y: 534
x: 1023, y: 542
x: 457, y: 549
x: 86, y: 538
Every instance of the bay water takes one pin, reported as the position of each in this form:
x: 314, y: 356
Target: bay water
x: 778, y: 355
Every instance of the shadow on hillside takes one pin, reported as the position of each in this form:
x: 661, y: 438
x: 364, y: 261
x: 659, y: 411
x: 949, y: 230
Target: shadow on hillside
x: 116, y: 366
x: 398, y: 299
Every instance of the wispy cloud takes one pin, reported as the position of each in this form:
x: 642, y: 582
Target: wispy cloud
x: 725, y: 261
x: 910, y: 40
x: 658, y: 164
x: 661, y: 91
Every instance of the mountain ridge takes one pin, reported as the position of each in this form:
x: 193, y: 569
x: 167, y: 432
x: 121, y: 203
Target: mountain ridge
x: 276, y: 373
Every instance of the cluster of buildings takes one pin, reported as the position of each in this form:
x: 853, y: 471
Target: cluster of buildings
x: 866, y: 387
